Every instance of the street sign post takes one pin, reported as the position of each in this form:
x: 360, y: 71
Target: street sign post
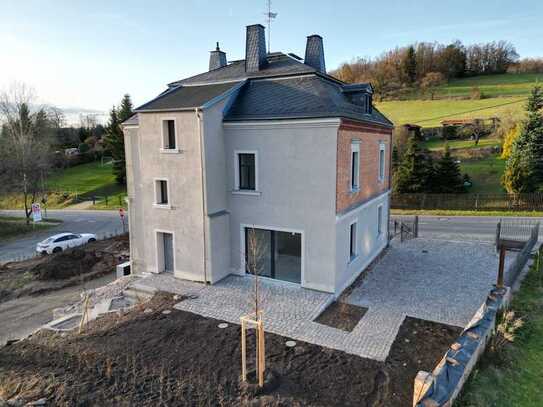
x: 36, y: 212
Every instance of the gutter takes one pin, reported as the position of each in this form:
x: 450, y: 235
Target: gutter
x: 198, y: 112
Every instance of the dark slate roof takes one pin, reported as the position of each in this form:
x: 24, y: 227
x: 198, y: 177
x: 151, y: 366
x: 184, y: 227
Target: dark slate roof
x: 307, y: 96
x: 132, y: 120
x: 185, y: 97
x: 278, y: 64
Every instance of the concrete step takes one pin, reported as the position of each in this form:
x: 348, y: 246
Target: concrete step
x: 139, y: 292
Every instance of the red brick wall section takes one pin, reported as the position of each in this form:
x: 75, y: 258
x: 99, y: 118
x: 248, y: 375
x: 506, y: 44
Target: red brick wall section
x: 370, y: 136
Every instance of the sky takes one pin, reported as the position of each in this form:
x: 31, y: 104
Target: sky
x: 80, y: 54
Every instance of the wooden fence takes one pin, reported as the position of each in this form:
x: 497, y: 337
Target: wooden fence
x: 472, y: 202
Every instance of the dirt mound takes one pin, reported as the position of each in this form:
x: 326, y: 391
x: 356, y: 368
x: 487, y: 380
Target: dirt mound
x: 67, y: 264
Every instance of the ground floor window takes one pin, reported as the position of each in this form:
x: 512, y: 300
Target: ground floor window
x: 380, y: 219
x: 353, y: 240
x: 274, y: 254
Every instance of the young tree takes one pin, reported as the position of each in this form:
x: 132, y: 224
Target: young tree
x: 448, y: 179
x: 509, y: 140
x: 114, y: 138
x: 415, y: 173
x: 431, y: 81
x: 24, y: 146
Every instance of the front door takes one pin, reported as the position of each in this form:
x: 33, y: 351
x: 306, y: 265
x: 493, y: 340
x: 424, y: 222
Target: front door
x: 168, y: 252
x: 274, y: 254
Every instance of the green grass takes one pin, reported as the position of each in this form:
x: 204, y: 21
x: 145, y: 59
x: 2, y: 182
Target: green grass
x: 430, y: 113
x: 516, y: 378
x: 485, y: 174
x: 492, y: 85
x: 439, y: 144
x: 14, y: 226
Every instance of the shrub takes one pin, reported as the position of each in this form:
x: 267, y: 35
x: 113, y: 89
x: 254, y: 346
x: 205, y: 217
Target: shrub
x: 475, y: 93
x: 83, y: 148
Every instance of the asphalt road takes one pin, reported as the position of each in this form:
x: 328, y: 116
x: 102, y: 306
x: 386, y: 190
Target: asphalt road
x: 463, y: 227
x: 101, y: 223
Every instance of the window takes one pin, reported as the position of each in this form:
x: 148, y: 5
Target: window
x: 381, y: 161
x: 353, y: 240
x: 355, y: 166
x: 246, y: 171
x: 161, y: 190
x: 379, y: 220
x: 168, y: 135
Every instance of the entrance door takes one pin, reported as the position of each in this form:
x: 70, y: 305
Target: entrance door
x: 274, y: 254
x: 168, y: 252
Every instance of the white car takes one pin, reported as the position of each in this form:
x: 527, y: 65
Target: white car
x: 63, y: 241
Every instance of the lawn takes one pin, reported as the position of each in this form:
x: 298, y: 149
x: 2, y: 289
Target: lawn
x: 439, y: 144
x: 515, y: 378
x: 15, y: 226
x: 485, y: 174
x: 430, y: 113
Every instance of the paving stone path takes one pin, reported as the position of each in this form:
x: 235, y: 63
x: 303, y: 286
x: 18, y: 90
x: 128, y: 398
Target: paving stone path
x: 433, y: 280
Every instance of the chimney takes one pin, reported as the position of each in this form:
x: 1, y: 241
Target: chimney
x: 217, y: 58
x: 314, y: 53
x: 255, y: 48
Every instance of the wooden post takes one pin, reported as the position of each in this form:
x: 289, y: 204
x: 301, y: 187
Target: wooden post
x: 498, y: 232
x: 423, y: 381
x: 250, y: 320
x: 501, y: 266
x: 243, y: 352
x: 416, y: 225
x: 84, y: 316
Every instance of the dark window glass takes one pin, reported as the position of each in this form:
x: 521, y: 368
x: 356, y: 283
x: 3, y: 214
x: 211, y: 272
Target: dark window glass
x: 353, y: 240
x: 163, y: 185
x: 171, y: 134
x: 247, y: 171
x: 354, y: 169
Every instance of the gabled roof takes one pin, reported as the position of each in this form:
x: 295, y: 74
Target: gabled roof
x: 186, y: 97
x: 304, y: 96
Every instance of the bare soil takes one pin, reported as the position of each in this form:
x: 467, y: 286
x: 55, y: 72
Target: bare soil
x: 182, y: 359
x: 52, y: 272
x: 341, y: 315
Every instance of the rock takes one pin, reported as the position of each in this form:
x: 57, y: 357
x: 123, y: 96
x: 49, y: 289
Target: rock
x: 176, y: 297
x: 147, y: 311
x: 167, y: 311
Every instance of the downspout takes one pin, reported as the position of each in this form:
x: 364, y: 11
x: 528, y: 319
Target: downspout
x: 198, y: 112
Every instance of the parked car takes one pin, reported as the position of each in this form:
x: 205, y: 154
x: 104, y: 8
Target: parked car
x: 63, y: 241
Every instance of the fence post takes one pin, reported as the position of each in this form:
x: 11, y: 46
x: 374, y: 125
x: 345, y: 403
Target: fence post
x: 93, y: 200
x: 501, y: 266
x: 498, y: 231
x: 416, y: 225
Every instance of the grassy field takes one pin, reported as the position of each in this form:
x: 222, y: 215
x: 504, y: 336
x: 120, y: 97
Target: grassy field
x: 446, y: 212
x: 430, y: 113
x: 515, y: 377
x: 439, y: 144
x: 15, y: 226
x: 485, y: 174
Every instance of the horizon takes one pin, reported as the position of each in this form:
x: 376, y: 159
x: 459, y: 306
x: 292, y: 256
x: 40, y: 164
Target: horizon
x: 89, y: 55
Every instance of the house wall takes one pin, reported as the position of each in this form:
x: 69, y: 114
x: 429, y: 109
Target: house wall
x: 296, y: 179
x: 369, y: 242
x: 370, y: 137
x: 183, y: 218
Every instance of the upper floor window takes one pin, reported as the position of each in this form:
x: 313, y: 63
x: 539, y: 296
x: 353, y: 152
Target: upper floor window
x: 169, y: 135
x: 355, y: 166
x: 161, y: 192
x: 381, y: 161
x: 246, y: 171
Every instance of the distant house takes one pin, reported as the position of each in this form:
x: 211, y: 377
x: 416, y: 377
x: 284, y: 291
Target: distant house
x: 268, y: 143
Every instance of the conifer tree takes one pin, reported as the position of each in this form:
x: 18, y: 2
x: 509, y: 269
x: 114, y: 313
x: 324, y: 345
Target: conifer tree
x: 415, y: 173
x: 448, y: 178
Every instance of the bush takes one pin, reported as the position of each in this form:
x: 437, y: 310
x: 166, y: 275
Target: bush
x: 450, y: 132
x: 475, y: 93
x: 83, y: 148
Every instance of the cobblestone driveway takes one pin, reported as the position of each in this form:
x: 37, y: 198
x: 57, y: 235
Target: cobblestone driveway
x: 447, y: 283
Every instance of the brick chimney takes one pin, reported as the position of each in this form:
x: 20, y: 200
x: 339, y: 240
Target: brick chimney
x: 255, y: 48
x: 314, y: 53
x: 217, y: 58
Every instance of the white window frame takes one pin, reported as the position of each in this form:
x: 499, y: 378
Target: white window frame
x: 381, y: 174
x: 355, y: 183
x: 159, y: 250
x: 380, y: 220
x: 236, y: 190
x: 354, y: 256
x: 156, y: 204
x: 163, y: 130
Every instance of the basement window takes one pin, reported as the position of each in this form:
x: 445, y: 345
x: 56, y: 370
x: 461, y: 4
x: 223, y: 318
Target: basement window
x: 379, y: 220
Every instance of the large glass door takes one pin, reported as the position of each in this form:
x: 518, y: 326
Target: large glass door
x: 274, y: 254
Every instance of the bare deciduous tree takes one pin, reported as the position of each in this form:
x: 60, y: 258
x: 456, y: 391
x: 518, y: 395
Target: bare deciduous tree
x: 24, y: 145
x: 255, y: 257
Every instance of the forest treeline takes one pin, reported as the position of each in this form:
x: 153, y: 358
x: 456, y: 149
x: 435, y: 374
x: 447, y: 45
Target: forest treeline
x: 425, y: 65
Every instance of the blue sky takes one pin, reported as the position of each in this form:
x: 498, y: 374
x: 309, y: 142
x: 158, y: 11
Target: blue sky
x: 86, y: 54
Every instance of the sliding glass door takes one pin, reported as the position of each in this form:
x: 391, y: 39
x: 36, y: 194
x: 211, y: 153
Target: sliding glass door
x: 274, y: 254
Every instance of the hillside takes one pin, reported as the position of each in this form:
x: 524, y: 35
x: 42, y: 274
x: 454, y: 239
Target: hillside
x: 501, y: 94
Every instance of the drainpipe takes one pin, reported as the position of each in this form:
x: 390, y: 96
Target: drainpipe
x: 198, y: 112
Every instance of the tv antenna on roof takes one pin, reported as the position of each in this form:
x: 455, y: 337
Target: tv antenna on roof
x: 269, y: 17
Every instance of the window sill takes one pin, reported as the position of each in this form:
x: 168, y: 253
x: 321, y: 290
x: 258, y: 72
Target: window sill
x: 162, y: 206
x: 354, y: 190
x: 353, y: 259
x: 170, y: 151
x: 246, y: 192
